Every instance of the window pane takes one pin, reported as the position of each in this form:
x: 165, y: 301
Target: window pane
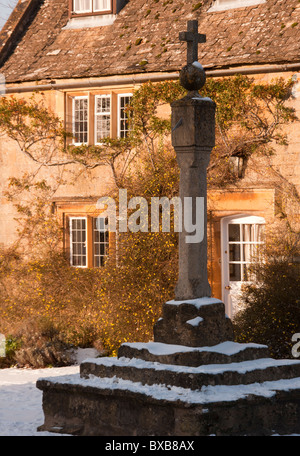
x: 80, y: 116
x: 234, y: 252
x: 248, y: 232
x: 78, y: 242
x: 102, y: 5
x: 82, y: 6
x: 103, y: 117
x: 245, y: 243
x: 248, y: 250
x: 260, y: 233
x: 124, y: 101
x: 100, y: 241
x: 235, y: 272
x: 103, y: 104
x: 75, y: 261
x: 234, y: 232
x: 103, y: 127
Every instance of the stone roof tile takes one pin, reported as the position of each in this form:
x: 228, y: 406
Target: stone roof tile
x: 43, y: 49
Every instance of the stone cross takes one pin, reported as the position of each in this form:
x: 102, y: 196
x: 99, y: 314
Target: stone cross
x: 193, y: 38
x: 193, y: 137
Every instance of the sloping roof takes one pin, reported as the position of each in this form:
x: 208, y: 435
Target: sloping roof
x: 145, y: 31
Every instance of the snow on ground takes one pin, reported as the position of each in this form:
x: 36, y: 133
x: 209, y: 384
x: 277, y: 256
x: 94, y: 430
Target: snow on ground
x: 21, y: 401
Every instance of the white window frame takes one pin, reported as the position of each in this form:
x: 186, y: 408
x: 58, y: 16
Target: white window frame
x: 89, y: 243
x: 121, y: 95
x: 223, y: 5
x: 100, y: 114
x: 71, y: 242
x: 104, y: 242
x: 243, y: 260
x: 92, y: 9
x: 115, y: 113
x: 84, y: 97
x: 239, y: 219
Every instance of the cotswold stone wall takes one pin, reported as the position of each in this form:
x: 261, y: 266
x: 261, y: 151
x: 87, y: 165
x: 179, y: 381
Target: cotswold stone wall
x: 15, y: 164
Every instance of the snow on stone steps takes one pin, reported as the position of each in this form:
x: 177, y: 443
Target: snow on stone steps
x: 241, y: 367
x: 158, y: 348
x: 205, y: 395
x: 148, y: 372
x: 198, y: 302
x: 224, y: 352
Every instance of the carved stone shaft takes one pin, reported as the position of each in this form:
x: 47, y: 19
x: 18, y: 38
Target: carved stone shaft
x: 193, y: 137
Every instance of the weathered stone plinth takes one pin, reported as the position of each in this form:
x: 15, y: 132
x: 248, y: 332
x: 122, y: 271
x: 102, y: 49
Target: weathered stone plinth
x: 178, y: 389
x: 194, y: 323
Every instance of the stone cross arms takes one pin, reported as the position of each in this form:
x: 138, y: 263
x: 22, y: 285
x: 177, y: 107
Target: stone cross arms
x: 193, y: 38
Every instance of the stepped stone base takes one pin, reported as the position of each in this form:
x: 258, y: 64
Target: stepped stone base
x: 92, y: 408
x: 178, y: 389
x: 226, y: 352
x: 193, y: 378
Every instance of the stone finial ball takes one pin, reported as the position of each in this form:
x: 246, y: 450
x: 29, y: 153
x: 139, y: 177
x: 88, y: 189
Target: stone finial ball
x: 192, y: 76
